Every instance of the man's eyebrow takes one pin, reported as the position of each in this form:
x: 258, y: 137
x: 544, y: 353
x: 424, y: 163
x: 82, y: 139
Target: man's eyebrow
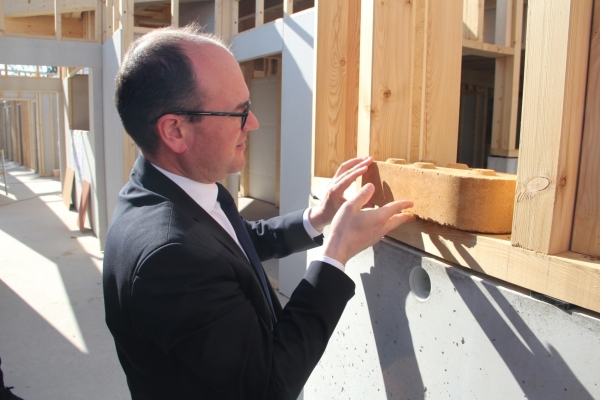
x: 241, y: 106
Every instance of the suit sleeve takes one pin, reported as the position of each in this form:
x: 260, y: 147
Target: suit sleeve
x: 215, y: 330
x: 281, y: 236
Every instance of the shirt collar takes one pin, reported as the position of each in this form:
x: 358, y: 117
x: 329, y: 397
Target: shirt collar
x: 205, y: 194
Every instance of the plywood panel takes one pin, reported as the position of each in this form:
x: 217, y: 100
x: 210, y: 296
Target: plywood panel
x: 586, y: 226
x: 336, y: 96
x: 552, y: 119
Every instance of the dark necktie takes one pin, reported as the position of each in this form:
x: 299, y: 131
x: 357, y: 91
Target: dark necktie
x: 230, y: 209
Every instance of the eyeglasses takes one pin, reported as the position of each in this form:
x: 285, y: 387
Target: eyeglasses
x: 243, y: 114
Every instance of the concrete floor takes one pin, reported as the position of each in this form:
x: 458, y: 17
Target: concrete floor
x: 54, y: 343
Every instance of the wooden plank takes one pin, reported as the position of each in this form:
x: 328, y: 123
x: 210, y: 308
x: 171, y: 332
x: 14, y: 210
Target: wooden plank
x: 337, y: 79
x: 473, y: 20
x: 2, y: 25
x: 439, y: 141
x: 586, y: 225
x: 278, y: 145
x: 25, y: 134
x: 288, y: 8
x: 174, y: 13
x: 98, y: 21
x: 388, y: 109
x: 506, y: 88
x: 417, y: 123
x: 67, y: 186
x: 30, y: 8
x: 472, y: 47
x: 83, y: 205
x: 567, y: 276
x: 259, y: 13
x: 235, y: 13
x: 558, y: 36
x: 57, y: 20
x: 44, y: 27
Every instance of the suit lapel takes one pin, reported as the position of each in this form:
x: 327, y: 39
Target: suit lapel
x: 145, y: 176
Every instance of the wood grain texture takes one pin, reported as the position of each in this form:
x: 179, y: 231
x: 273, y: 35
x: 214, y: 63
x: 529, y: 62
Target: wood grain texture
x: 44, y: 26
x: 567, y: 276
x: 442, y: 91
x: 553, y: 103
x: 473, y: 19
x: 586, y: 226
x: 393, y: 32
x: 417, y: 124
x: 336, y: 94
x: 508, y: 73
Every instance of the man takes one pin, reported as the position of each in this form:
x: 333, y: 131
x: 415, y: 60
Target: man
x: 185, y: 297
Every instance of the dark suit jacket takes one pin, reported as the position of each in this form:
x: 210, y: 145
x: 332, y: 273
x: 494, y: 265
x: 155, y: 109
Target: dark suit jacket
x: 186, y: 309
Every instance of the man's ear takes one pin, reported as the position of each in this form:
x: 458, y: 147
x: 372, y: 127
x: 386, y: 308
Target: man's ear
x: 170, y: 132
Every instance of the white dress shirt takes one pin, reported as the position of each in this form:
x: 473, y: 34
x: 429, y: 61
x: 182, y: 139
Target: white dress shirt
x: 205, y: 195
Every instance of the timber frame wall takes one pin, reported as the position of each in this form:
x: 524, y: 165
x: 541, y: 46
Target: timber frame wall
x: 388, y: 79
x: 388, y: 84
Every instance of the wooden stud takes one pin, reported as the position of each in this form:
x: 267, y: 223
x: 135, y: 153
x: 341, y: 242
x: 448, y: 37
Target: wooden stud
x: 508, y: 71
x: 235, y: 14
x: 586, y: 225
x: 98, y: 21
x: 558, y: 36
x: 57, y: 20
x: 336, y: 90
x: 473, y: 20
x: 2, y: 26
x: 174, y: 13
x: 259, y: 14
x: 441, y: 91
x: 288, y: 8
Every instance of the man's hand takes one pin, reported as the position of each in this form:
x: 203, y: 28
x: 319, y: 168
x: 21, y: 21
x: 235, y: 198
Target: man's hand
x: 353, y: 228
x: 322, y: 215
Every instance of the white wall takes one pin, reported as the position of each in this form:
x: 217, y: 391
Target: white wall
x: 262, y: 162
x: 294, y: 38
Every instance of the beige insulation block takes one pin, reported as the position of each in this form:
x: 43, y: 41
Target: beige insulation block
x: 475, y: 200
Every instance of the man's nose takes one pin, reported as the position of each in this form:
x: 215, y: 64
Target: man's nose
x: 251, y: 122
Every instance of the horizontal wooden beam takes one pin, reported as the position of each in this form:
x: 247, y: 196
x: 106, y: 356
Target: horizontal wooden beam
x: 504, y: 152
x: 475, y: 48
x: 32, y: 8
x: 568, y: 276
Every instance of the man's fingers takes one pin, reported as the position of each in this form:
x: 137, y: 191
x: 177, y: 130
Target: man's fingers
x: 362, y: 197
x: 348, y: 165
x: 398, y: 219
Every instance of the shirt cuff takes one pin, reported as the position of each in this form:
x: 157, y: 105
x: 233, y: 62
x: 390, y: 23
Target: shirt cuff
x: 312, y: 232
x: 331, y: 261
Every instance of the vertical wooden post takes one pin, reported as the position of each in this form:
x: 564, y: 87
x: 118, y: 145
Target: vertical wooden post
x: 98, y: 28
x: 57, y: 20
x: 441, y: 89
x: 235, y: 14
x: 259, y: 13
x: 336, y: 90
x: 586, y: 226
x: 223, y: 18
x: 288, y: 8
x: 558, y: 34
x: 174, y: 13
x: 473, y: 20
x: 2, y: 24
x: 509, y: 24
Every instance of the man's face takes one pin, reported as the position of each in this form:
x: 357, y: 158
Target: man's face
x: 216, y: 143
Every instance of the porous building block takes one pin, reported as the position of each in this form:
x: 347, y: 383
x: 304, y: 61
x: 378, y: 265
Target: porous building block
x: 475, y: 200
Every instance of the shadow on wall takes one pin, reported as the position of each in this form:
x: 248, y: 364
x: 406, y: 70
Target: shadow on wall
x: 540, y: 371
x: 386, y: 291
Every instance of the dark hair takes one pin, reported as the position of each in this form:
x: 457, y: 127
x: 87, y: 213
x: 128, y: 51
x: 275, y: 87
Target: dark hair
x: 156, y: 75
